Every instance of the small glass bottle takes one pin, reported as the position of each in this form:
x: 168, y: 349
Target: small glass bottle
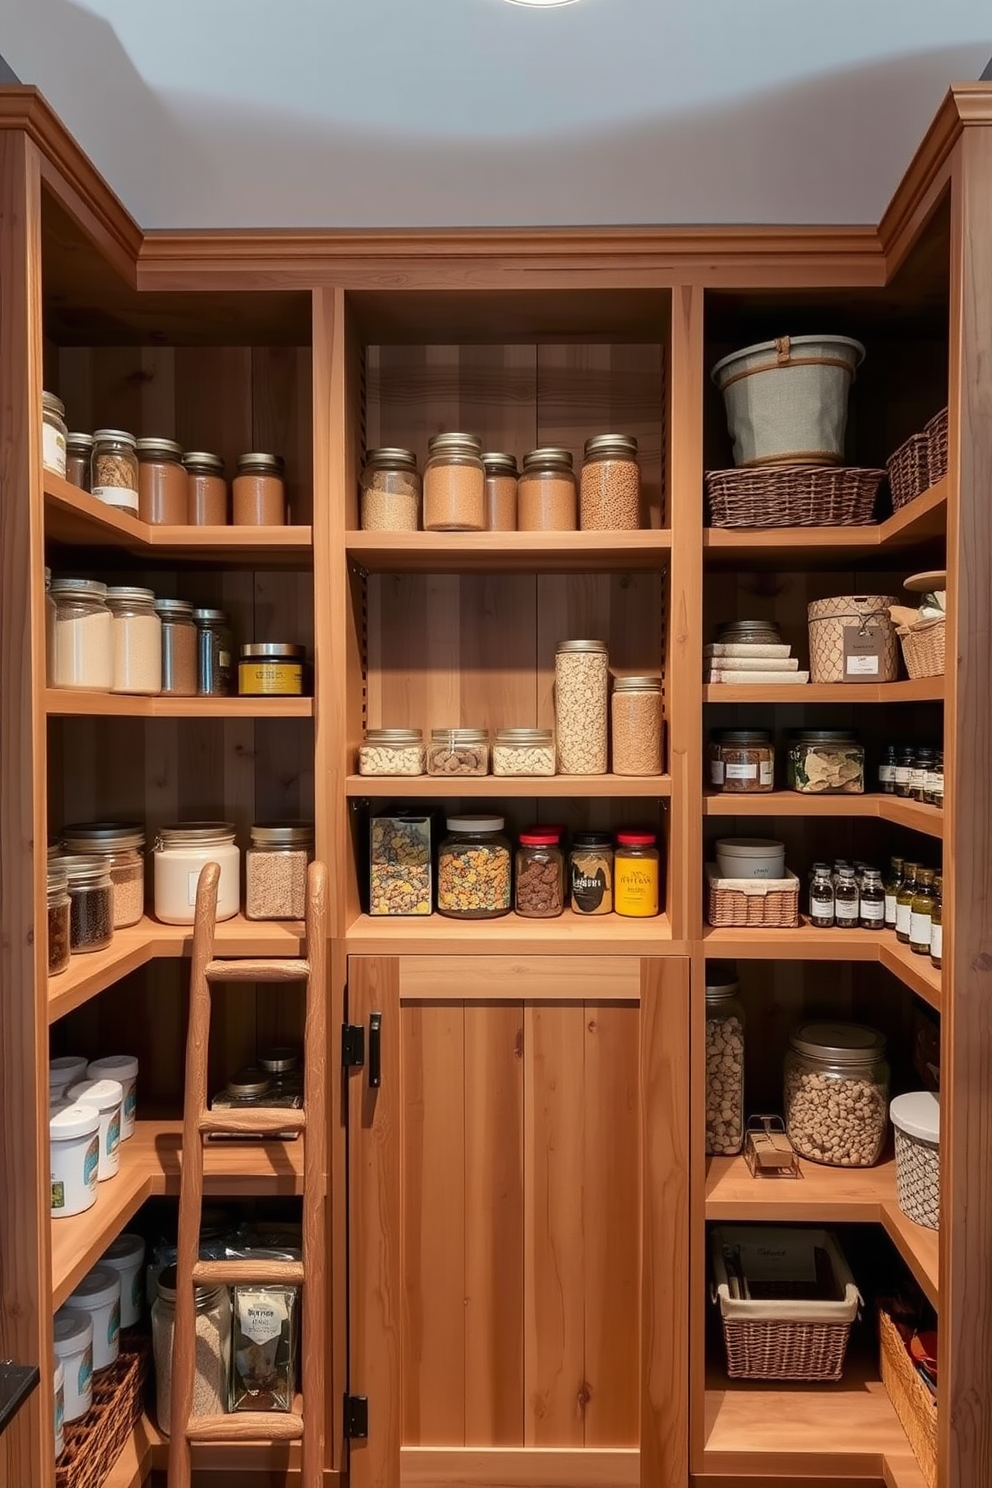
x: 904, y: 772
x: 454, y: 484
x: 821, y: 898
x: 214, y: 653
x: 904, y: 902
x: 936, y: 797
x: 872, y: 910
x: 179, y: 671
x: 206, y: 489
x: 887, y: 771
x: 547, y: 497
x: 922, y: 767
x: 390, y: 491
x: 839, y: 863
x: 921, y: 913
x: 162, y: 483
x: 259, y: 492
x: 501, y: 492
x: 847, y: 900
x: 54, y: 433
x: 114, y: 469
x: 937, y: 923
x: 637, y: 875
x: 892, y: 886
x: 539, y: 889
x: 78, y: 451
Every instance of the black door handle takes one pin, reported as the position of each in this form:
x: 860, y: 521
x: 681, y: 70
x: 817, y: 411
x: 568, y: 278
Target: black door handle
x: 375, y: 1050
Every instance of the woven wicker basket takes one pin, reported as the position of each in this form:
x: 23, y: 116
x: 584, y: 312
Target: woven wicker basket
x: 918, y: 1179
x: 793, y: 496
x: 772, y: 902
x: 93, y: 1445
x: 829, y: 618
x: 923, y: 647
x: 936, y: 432
x: 913, y: 1403
x: 909, y: 469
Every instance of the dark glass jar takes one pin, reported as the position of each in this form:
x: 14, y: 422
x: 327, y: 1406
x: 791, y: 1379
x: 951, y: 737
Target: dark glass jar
x: 214, y: 659
x: 887, y: 771
x: 904, y: 772
x: 591, y: 873
x: 91, y: 908
x: 540, y: 877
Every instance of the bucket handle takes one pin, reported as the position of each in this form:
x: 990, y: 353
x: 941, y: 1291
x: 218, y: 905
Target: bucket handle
x: 785, y: 358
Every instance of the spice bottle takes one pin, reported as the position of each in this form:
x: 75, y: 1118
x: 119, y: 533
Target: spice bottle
x: 206, y: 489
x: 276, y: 870
x: 390, y: 491
x: 872, y: 909
x: 846, y: 900
x: 637, y: 875
x: 178, y: 647
x: 638, y: 726
x: 540, y: 876
x: 114, y: 469
x: 937, y: 923
x: 137, y: 636
x: 821, y: 898
x: 581, y: 693
x: 54, y: 433
x: 214, y: 661
x: 591, y: 873
x: 610, y: 493
x: 454, y: 484
x: 213, y: 1348
x: 78, y: 452
x: 892, y: 886
x: 58, y: 919
x: 937, y: 781
x: 887, y: 771
x: 501, y: 492
x: 922, y: 767
x: 547, y: 500
x: 904, y: 902
x: 921, y: 913
x: 724, y: 1061
x: 904, y: 772
x: 258, y: 497
x: 162, y: 483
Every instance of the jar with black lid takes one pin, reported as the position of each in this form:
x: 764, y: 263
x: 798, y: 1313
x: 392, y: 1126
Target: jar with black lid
x: 590, y: 871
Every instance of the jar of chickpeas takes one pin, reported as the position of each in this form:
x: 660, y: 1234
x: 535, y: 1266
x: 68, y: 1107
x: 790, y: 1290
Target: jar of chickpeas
x: 610, y: 490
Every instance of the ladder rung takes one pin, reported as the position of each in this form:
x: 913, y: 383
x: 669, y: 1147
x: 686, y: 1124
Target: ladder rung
x: 272, y: 969
x: 245, y: 1426
x: 248, y: 1273
x: 262, y: 1121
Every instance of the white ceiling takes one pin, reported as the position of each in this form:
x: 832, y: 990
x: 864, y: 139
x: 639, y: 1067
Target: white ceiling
x: 402, y: 113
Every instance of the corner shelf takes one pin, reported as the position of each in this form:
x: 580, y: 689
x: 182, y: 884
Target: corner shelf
x: 64, y: 702
x: 428, y: 787
x: 920, y: 690
x: 508, y: 552
x: 913, y: 814
x: 512, y: 935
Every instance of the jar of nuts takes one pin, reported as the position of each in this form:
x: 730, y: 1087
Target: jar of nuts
x: 547, y: 499
x: 473, y: 869
x: 837, y: 1093
x: 454, y: 484
x: 391, y: 491
x: 581, y: 693
x: 501, y: 492
x: 742, y: 762
x: 638, y: 725
x: 458, y: 751
x: 610, y: 492
x: 392, y: 751
x: 724, y: 1061
x: 540, y: 877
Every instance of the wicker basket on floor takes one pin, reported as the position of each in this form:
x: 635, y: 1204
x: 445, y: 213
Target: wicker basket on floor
x: 772, y: 902
x: 793, y: 496
x: 936, y: 432
x: 909, y: 469
x: 913, y: 1403
x: 93, y: 1444
x: 924, y: 647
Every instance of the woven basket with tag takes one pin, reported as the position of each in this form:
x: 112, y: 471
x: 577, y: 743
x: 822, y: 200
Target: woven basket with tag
x: 864, y: 613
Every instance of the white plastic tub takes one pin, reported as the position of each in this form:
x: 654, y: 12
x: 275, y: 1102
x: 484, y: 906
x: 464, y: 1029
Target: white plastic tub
x: 99, y: 1295
x: 67, y: 1070
x: 73, y: 1343
x: 74, y: 1137
x: 122, y: 1067
x: 58, y: 1419
x: 107, y: 1097
x: 127, y: 1257
x: 750, y: 857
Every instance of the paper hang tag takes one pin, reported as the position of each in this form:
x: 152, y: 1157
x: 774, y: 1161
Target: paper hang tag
x: 864, y: 651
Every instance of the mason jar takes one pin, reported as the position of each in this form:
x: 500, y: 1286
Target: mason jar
x: 501, y: 492
x: 638, y: 725
x: 837, y: 1093
x: 91, y: 903
x: 162, y: 496
x: 114, y: 469
x: 121, y: 846
x: 213, y: 1348
x: 392, y: 752
x: 390, y: 491
x: 724, y: 1061
x: 610, y: 491
x: 180, y: 853
x: 547, y: 498
x: 137, y: 633
x: 214, y: 658
x: 179, y: 670
x: 258, y: 495
x: 58, y: 919
x: 78, y: 453
x: 206, y: 489
x: 54, y: 434
x: 539, y: 884
x: 276, y: 866
x: 473, y: 869
x: 454, y: 484
x: 83, y: 652
x: 582, y: 676
x: 524, y: 751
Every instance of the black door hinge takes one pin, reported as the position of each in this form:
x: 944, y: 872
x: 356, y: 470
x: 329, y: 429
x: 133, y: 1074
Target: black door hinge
x: 356, y: 1417
x: 352, y: 1045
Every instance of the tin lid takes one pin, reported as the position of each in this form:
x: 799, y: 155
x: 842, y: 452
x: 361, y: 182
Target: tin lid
x: 459, y: 736
x: 196, y: 834
x: 208, y: 617
x: 72, y: 1332
x: 91, y: 588
x: 622, y: 446
x: 454, y: 444
x: 203, y: 1296
x: 598, y: 646
x: 279, y: 1061
x: 282, y: 834
x: 125, y: 594
x: 98, y: 1288
x: 73, y: 1119
x: 77, y: 443
x: 249, y: 1081
x: 272, y: 651
x: 201, y: 462
x: 917, y: 1113
x: 497, y: 462
x: 124, y: 1252
x: 113, y: 1067
x: 394, y: 736
x: 105, y: 1095
x: 86, y: 870
x: 844, y: 1043
x: 115, y: 436
x: 475, y: 823
x: 637, y: 839
x: 550, y: 457
x: 532, y: 736
x: 174, y: 609
x: 57, y: 879
x: 638, y: 684
x: 96, y: 837
x: 393, y: 456
x: 539, y: 837
x: 825, y: 736
x: 743, y: 736
x: 257, y: 463
x: 53, y: 404
x: 159, y: 449
x: 592, y: 839
x: 721, y: 980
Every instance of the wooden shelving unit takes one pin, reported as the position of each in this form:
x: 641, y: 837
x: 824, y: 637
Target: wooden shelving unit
x: 924, y: 690
x: 913, y: 814
x: 508, y: 552
x: 586, y: 935
x: 536, y: 787
x: 66, y: 703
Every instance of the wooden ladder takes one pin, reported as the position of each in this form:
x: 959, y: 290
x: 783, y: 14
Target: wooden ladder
x: 258, y: 1427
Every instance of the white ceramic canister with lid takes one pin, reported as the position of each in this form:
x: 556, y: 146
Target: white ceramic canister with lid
x: 127, y: 1257
x: 74, y: 1135
x: 63, y: 1071
x: 73, y: 1343
x: 99, y: 1294
x: 122, y: 1067
x: 107, y: 1096
x: 181, y: 852
x: 58, y: 1418
x: 750, y: 857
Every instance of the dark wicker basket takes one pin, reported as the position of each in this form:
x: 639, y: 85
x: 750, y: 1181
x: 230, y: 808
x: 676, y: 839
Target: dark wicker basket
x: 936, y: 432
x: 793, y: 496
x: 93, y: 1445
x: 909, y: 469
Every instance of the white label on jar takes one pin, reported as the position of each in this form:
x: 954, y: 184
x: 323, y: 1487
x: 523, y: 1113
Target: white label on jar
x: 192, y: 882
x: 917, y: 778
x: 936, y: 941
x: 920, y: 926
x: 716, y: 772
x: 766, y: 773
x: 890, y: 909
x: 742, y: 772
x: 820, y: 908
x: 902, y: 774
x: 261, y: 1317
x: 886, y: 774
x: 52, y: 449
x: 874, y: 910
x: 862, y: 666
x: 904, y: 915
x: 846, y: 910
x: 120, y: 496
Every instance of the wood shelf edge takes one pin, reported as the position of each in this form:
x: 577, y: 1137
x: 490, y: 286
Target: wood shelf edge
x: 67, y: 702
x: 424, y: 787
x: 918, y: 1246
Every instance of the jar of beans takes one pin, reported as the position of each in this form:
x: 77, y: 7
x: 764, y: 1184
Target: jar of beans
x: 259, y: 491
x: 638, y: 725
x: 581, y: 698
x: 78, y: 449
x: 454, y: 484
x: 610, y: 492
x: 114, y: 469
x: 837, y: 1093
x: 473, y: 869
x: 539, y: 892
x: 161, y: 482
x: 390, y: 491
x: 724, y: 1061
x: 742, y: 762
x: 120, y: 846
x: 392, y: 751
x: 501, y: 492
x: 53, y: 433
x: 91, y: 906
x: 137, y: 634
x: 206, y: 489
x: 58, y: 919
x: 547, y: 499
x: 178, y: 647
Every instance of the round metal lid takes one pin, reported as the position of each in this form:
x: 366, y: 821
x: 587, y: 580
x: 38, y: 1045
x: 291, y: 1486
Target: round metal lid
x: 391, y: 455
x: 152, y: 449
x: 280, y: 1061
x: 85, y: 870
x: 460, y: 735
x: 550, y: 455
x: 273, y: 651
x: 129, y: 594
x: 120, y: 436
x: 282, y: 834
x: 196, y: 834
x: 721, y: 980
x: 201, y: 462
x: 257, y: 463
x: 91, y: 587
x: 475, y: 823
x: 202, y: 617
x: 394, y: 736
x: 94, y: 837
x: 638, y: 684
x: 743, y: 736
x: 825, y: 736
x: 524, y: 736
x: 844, y: 1043
x: 174, y: 609
x: 598, y: 646
x: 203, y: 1296
x: 78, y: 443
x: 454, y: 444
x: 249, y: 1082
x: 53, y: 404
x: 499, y: 463
x: 624, y: 446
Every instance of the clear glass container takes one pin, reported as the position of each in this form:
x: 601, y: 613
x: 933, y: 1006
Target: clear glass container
x: 547, y: 496
x: 137, y: 634
x: 391, y: 491
x: 58, y: 919
x: 921, y: 913
x: 271, y: 669
x: 872, y: 905
x: 454, y: 484
x: 887, y: 771
x: 78, y: 454
x: 582, y: 679
x: 637, y: 875
x: 742, y: 762
x: 590, y: 867
x: 213, y: 1348
x: 276, y: 870
x: 83, y: 653
x: 206, y: 489
x: 826, y: 762
x: 400, y: 878
x: 501, y: 492
x: 847, y: 899
x: 937, y: 924
x: 458, y: 751
x: 91, y: 907
x: 935, y: 791
x: 180, y: 852
x: 258, y: 496
x: 892, y: 886
x: 922, y: 770
x: 162, y: 483
x: 524, y: 751
x: 114, y: 469
x: 904, y: 772
x: 121, y: 846
x: 392, y: 752
x: 473, y: 870
x: 51, y: 613
x: 837, y: 1093
x: 821, y: 898
x: 610, y: 489
x: 54, y: 434
x: 724, y: 1061
x: 214, y: 653
x: 539, y: 884
x: 178, y: 647
x: 638, y: 725
x: 904, y: 901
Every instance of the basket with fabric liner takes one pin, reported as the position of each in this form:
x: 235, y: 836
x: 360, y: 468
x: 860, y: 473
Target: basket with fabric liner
x: 771, y: 902
x: 912, y: 1401
x: 94, y: 1443
x: 793, y: 496
x: 909, y: 470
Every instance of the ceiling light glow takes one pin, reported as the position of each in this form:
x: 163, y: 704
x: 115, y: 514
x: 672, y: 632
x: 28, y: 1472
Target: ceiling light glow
x: 543, y: 4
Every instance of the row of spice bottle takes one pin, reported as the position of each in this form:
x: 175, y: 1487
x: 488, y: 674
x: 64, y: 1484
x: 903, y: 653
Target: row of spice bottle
x: 154, y: 479
x: 467, y: 490
x: 909, y: 901
x: 481, y: 876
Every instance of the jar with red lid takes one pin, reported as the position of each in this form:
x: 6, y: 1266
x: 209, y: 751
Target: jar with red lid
x: 637, y: 875
x: 540, y: 874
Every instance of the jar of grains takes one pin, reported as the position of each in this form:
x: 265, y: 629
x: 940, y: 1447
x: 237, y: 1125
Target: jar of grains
x: 54, y: 433
x: 206, y: 489
x: 591, y: 873
x: 547, y: 500
x: 91, y: 903
x: 724, y: 1061
x: 83, y: 653
x: 636, y: 875
x: 638, y: 725
x: 212, y: 1352
x: 259, y: 492
x: 161, y: 482
x: 121, y: 846
x: 78, y: 452
x: 610, y: 490
x: 276, y: 870
x: 454, y: 484
x: 458, y: 751
x: 473, y: 869
x: 180, y: 853
x: 214, y: 659
x: 539, y: 892
x: 501, y: 492
x: 582, y: 677
x: 742, y: 762
x: 524, y: 751
x: 178, y: 647
x: 58, y: 919
x: 271, y: 669
x: 390, y: 491
x: 137, y: 633
x: 114, y: 469
x: 392, y: 752
x: 837, y: 1093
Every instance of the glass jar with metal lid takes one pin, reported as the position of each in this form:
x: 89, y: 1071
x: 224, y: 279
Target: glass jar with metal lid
x: 180, y: 853
x: 121, y: 846
x: 724, y: 1061
x: 161, y: 482
x: 524, y: 751
x: 390, y: 491
x: 638, y: 725
x: 276, y: 870
x: 178, y: 647
x: 539, y: 880
x: 392, y: 751
x: 501, y: 492
x: 837, y: 1093
x: 214, y: 658
x: 83, y: 647
x: 473, y: 870
x: 547, y: 497
x: 271, y: 669
x: 826, y: 762
x: 742, y: 761
x: 78, y: 451
x: 283, y: 1067
x: 91, y: 907
x: 213, y: 1348
x: 58, y: 918
x: 454, y: 484
x: 54, y: 433
x: 137, y: 635
x: 206, y: 489
x: 610, y: 490
x: 259, y: 492
x: 458, y: 751
x: 114, y: 469
x: 582, y: 674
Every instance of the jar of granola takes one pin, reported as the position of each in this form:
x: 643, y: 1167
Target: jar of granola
x: 473, y: 869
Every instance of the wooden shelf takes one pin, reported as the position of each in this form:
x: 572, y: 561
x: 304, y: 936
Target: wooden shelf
x: 917, y: 972
x: 922, y: 690
x: 590, y: 787
x: 147, y: 1450
x: 67, y: 703
x: 914, y: 814
x: 808, y: 944
x: 512, y: 935
x: 87, y: 975
x: 150, y: 1167
x: 508, y: 552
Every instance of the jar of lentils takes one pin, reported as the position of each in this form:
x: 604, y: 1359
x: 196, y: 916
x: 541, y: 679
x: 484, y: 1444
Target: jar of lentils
x: 582, y: 676
x: 837, y: 1093
x: 724, y: 1061
x: 742, y: 762
x: 473, y: 869
x: 501, y: 492
x: 454, y: 484
x: 206, y: 489
x: 54, y: 433
x: 78, y: 450
x: 539, y: 891
x: 398, y: 751
x: 91, y: 903
x: 638, y: 725
x: 547, y: 499
x: 120, y: 846
x: 610, y: 491
x: 276, y: 870
x: 390, y: 491
x: 114, y: 469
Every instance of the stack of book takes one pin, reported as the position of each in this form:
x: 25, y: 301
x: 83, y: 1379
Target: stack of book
x: 751, y: 652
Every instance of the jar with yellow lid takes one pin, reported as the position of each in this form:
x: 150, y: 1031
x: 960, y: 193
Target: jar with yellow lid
x: 636, y: 875
x: 271, y: 669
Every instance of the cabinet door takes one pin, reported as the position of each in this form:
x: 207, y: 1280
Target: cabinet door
x: 518, y: 1222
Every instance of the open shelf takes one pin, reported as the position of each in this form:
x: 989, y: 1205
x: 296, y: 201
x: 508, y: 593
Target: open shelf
x: 922, y: 690
x: 805, y: 943
x: 147, y: 1449
x: 591, y: 787
x: 64, y: 702
x: 903, y: 813
x: 574, y: 934
x: 918, y: 972
x: 508, y: 552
